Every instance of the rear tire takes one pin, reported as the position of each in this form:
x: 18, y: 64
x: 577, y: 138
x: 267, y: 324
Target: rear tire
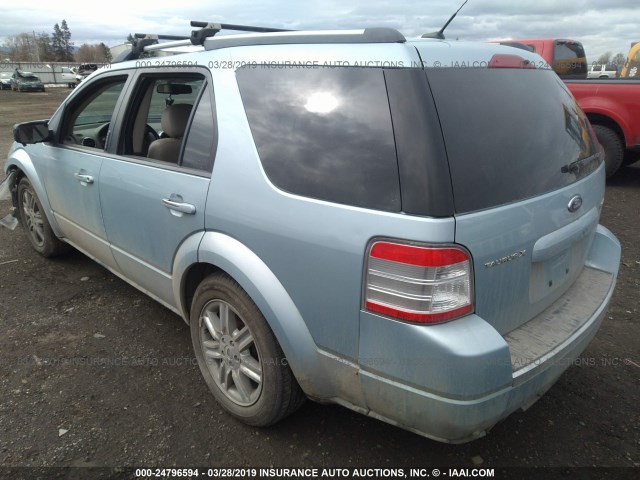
x: 239, y: 356
x: 35, y: 222
x: 613, y: 148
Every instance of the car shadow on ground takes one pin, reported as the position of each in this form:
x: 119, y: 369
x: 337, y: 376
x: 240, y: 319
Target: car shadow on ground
x: 627, y: 176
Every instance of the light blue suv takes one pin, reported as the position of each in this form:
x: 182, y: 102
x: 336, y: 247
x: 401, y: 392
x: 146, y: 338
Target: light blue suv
x: 408, y: 228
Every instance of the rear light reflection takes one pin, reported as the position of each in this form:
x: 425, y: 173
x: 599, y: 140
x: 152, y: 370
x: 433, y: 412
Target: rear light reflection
x: 501, y: 60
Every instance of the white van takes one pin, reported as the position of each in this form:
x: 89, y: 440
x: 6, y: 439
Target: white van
x: 66, y: 75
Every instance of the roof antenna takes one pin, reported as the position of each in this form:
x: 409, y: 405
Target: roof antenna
x: 439, y: 34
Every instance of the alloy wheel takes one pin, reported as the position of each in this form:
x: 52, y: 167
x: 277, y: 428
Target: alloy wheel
x: 230, y: 352
x: 33, y: 218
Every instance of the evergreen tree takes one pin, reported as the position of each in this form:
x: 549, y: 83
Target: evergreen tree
x: 45, y: 52
x: 56, y: 44
x: 61, y: 43
x: 106, y: 52
x: 67, y: 44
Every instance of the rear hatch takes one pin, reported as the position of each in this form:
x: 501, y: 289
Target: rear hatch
x: 527, y: 190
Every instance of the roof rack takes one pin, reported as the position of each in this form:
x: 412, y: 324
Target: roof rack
x: 210, y: 29
x: 143, y: 42
x: 367, y: 35
x: 146, y: 42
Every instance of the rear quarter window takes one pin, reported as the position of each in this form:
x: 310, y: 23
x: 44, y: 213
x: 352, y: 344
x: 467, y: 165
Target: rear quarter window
x: 569, y: 59
x: 324, y: 133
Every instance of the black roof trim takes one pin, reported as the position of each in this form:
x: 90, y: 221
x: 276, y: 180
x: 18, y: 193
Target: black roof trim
x: 368, y: 35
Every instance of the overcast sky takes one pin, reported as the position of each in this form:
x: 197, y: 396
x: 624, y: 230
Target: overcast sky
x: 601, y: 25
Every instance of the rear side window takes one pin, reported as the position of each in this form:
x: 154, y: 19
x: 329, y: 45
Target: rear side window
x: 199, y: 147
x: 324, y: 133
x: 170, y: 113
x: 569, y: 59
x: 510, y: 134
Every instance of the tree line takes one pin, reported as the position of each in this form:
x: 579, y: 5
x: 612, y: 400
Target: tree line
x: 617, y: 59
x: 54, y: 47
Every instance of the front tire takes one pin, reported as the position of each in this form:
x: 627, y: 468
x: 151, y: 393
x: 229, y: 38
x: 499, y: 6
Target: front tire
x: 613, y: 148
x: 239, y: 356
x: 35, y: 222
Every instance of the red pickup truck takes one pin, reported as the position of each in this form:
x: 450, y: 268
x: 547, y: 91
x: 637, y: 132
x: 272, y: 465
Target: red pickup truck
x: 613, y: 108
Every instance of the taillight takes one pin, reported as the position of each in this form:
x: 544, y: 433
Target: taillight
x: 418, y: 283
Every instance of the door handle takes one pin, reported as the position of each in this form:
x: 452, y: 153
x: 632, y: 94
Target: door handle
x: 84, y: 179
x: 179, y: 206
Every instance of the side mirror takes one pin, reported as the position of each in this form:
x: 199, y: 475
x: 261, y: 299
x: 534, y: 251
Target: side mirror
x: 32, y: 132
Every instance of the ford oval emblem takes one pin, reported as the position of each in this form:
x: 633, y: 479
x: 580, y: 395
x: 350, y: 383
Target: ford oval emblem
x: 575, y: 203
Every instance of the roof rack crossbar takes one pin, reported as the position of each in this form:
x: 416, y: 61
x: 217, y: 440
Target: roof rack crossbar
x: 142, y: 41
x: 209, y: 29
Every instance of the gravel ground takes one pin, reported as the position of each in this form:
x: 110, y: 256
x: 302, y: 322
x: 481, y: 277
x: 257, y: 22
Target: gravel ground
x: 94, y: 373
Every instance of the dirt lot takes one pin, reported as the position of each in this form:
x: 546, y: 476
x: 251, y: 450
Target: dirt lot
x: 66, y: 323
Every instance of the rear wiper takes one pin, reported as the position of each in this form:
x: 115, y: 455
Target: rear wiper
x: 578, y: 165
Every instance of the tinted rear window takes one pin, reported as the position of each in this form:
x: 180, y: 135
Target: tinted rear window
x: 509, y: 134
x: 324, y: 133
x: 569, y: 59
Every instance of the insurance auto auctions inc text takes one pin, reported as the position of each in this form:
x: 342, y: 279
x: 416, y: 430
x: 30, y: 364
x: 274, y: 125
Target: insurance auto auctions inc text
x: 374, y: 473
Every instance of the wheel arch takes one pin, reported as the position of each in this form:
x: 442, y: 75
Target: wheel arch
x: 192, y: 277
x: 218, y: 252
x: 20, y: 163
x: 606, y: 121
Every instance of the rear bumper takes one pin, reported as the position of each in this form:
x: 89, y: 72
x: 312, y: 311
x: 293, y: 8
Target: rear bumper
x: 463, y: 377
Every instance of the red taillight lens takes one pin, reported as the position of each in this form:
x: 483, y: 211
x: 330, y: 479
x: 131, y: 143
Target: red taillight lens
x: 418, y: 284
